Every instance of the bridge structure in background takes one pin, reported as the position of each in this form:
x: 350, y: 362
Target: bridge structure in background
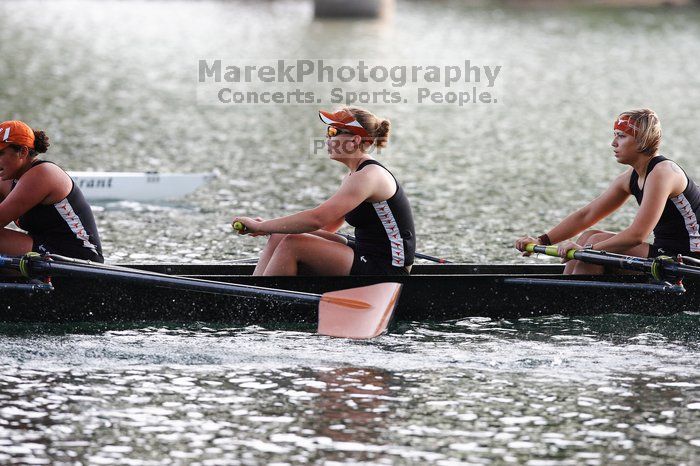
x: 340, y: 9
x: 349, y: 9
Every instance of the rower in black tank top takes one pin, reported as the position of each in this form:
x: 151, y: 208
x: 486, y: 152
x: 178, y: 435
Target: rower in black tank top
x: 66, y: 227
x: 384, y: 231
x: 677, y: 231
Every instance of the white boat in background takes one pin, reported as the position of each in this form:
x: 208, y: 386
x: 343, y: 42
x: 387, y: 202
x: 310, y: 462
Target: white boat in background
x: 134, y: 186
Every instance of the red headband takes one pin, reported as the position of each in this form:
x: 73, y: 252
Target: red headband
x: 626, y: 125
x: 344, y: 120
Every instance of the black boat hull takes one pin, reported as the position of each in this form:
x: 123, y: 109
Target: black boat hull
x: 431, y: 293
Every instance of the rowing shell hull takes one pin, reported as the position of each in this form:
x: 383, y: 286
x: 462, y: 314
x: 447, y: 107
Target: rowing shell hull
x: 128, y: 186
x: 431, y: 293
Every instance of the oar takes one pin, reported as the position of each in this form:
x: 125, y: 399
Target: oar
x: 33, y: 286
x: 661, y: 268
x: 362, y: 312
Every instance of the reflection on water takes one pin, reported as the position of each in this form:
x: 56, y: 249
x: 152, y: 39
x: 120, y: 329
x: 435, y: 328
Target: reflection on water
x: 594, y: 390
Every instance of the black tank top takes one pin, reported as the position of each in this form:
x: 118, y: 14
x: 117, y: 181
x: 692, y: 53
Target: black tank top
x: 385, y: 229
x: 677, y: 230
x: 66, y: 227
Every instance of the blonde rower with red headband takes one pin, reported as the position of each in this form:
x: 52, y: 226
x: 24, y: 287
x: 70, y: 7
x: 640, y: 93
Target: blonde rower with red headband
x: 669, y: 202
x: 369, y: 198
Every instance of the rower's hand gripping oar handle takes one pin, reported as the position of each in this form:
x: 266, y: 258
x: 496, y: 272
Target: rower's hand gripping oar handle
x: 549, y: 250
x: 239, y: 227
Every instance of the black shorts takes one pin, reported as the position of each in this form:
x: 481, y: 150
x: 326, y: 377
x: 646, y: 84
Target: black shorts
x: 372, y: 265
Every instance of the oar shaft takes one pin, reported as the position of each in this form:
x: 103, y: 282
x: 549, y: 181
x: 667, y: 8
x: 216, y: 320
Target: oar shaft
x: 552, y: 282
x: 657, y: 267
x: 87, y: 270
x: 28, y: 287
x: 682, y: 269
x: 596, y: 257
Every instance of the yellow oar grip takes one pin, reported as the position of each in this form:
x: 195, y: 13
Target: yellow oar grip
x: 548, y: 250
x: 551, y: 251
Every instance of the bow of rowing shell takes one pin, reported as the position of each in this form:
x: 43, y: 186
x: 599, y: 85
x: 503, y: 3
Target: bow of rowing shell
x: 431, y: 293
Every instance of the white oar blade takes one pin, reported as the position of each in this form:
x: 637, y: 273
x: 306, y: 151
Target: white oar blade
x: 363, y: 312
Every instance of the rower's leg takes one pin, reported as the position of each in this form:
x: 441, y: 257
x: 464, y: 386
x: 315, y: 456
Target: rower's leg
x: 582, y: 268
x: 272, y: 242
x: 14, y: 243
x: 322, y: 256
x: 584, y: 239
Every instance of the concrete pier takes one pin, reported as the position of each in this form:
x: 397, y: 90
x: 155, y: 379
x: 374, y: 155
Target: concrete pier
x: 341, y: 9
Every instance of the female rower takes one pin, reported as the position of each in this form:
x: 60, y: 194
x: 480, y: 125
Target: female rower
x: 369, y: 198
x: 669, y: 202
x: 42, y: 200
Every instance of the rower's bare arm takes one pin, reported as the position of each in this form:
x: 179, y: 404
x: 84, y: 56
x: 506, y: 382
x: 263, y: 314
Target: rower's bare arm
x: 5, y: 187
x: 352, y: 192
x: 596, y: 210
x: 335, y: 225
x: 325, y: 234
x: 31, y: 190
x: 661, y: 184
x: 328, y: 231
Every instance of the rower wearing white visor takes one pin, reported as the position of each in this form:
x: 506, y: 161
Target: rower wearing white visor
x: 369, y: 198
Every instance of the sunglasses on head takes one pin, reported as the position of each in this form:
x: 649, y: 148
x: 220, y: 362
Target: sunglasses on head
x: 333, y: 131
